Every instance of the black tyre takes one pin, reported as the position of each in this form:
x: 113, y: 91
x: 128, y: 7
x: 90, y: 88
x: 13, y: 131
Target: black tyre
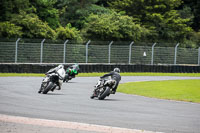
x: 104, y: 94
x: 48, y: 88
x: 66, y: 79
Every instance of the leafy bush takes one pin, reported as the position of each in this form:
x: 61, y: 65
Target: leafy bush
x: 33, y: 27
x: 68, y: 32
x: 9, y: 30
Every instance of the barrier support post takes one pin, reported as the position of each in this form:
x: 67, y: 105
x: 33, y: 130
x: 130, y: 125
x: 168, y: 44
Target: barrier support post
x: 16, y: 49
x: 130, y: 51
x: 152, y: 53
x: 175, y: 54
x: 109, y: 51
x: 64, y: 51
x: 86, y: 56
x: 41, y: 51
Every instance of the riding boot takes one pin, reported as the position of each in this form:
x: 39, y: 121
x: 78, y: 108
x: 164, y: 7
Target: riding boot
x: 53, y: 88
x: 94, y: 94
x: 59, y: 88
x: 113, y: 91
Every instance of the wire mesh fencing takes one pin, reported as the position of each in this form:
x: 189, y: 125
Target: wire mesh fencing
x: 95, y: 52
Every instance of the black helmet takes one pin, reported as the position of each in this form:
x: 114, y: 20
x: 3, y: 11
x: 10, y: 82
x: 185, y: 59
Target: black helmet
x: 116, y: 70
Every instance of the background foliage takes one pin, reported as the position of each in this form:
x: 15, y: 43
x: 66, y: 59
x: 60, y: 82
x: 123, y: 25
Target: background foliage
x: 117, y: 20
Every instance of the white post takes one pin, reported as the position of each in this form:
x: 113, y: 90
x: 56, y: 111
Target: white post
x: 175, y: 53
x: 109, y: 51
x: 41, y: 50
x: 87, y: 51
x: 16, y: 48
x: 64, y: 50
x: 199, y: 56
x: 130, y: 50
x: 152, y: 53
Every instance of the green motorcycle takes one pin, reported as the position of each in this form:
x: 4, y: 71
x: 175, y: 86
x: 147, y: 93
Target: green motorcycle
x: 71, y: 72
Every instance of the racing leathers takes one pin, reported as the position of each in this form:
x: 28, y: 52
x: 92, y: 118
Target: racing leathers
x: 114, y: 76
x: 61, y: 74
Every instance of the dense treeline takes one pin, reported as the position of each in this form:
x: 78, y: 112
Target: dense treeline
x: 117, y: 20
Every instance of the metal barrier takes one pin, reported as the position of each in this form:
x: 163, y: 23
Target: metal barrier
x: 86, y: 68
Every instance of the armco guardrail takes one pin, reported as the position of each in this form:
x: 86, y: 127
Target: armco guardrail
x: 86, y: 68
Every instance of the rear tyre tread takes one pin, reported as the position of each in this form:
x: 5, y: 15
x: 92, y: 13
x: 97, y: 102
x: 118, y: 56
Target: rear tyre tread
x: 105, y: 93
x: 48, y: 88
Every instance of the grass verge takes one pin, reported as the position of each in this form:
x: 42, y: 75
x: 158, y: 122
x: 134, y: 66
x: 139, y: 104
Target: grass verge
x: 100, y: 74
x: 21, y: 75
x: 181, y: 90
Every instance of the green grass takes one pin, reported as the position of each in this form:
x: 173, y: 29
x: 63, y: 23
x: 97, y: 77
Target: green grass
x: 21, y: 75
x: 100, y: 74
x: 162, y: 74
x: 182, y: 90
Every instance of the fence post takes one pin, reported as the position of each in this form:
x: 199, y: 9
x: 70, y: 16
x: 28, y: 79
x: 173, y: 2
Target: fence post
x: 175, y: 53
x: 152, y: 53
x: 64, y: 50
x: 130, y: 50
x: 16, y: 49
x: 109, y: 51
x: 199, y: 56
x: 41, y: 50
x: 87, y: 51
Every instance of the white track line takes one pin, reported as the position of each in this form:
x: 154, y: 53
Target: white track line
x: 68, y: 125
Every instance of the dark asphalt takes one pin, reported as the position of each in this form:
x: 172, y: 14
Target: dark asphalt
x: 19, y: 97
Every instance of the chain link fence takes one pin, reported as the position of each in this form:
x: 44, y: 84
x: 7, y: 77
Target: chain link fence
x: 42, y: 51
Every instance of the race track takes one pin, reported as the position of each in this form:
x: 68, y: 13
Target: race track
x: 19, y: 97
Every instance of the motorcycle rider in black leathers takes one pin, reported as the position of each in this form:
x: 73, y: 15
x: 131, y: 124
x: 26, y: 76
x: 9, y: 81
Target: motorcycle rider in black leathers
x: 114, y: 76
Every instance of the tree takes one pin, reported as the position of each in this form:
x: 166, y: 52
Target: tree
x: 159, y: 16
x: 103, y: 2
x: 194, y: 7
x: 113, y: 26
x: 76, y: 11
x: 32, y: 26
x: 46, y: 12
x: 10, y: 7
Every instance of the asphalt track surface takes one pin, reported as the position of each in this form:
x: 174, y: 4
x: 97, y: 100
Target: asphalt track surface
x: 19, y: 97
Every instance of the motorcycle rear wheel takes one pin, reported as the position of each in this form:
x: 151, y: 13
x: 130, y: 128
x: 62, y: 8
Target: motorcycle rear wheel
x: 104, y: 94
x: 48, y: 88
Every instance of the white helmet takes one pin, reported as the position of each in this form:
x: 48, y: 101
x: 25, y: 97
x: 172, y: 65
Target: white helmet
x: 116, y: 70
x: 61, y: 66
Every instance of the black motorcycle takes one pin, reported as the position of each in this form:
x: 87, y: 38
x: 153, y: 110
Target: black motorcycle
x: 103, y: 88
x: 51, y: 82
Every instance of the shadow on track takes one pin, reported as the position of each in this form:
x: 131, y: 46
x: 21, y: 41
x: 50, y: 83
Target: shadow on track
x: 108, y: 99
x: 70, y: 82
x: 53, y: 94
